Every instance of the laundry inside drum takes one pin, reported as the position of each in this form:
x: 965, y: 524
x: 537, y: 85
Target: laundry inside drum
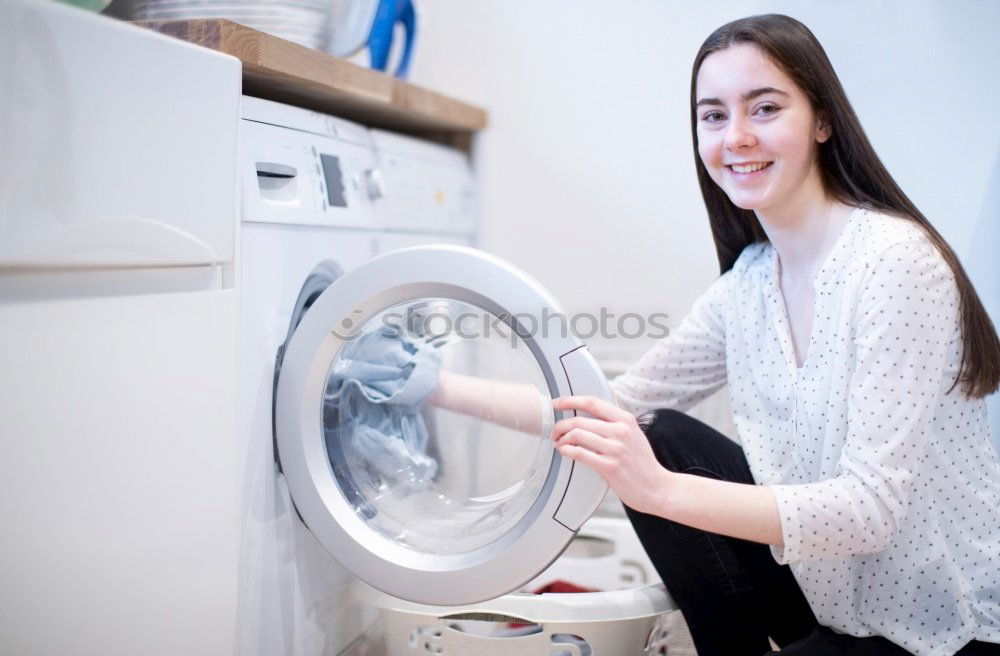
x: 435, y: 480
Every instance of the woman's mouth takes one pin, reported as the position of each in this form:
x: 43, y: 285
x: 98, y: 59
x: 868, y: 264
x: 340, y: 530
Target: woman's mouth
x: 748, y: 170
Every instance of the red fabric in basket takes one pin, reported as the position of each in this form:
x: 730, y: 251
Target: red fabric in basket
x: 563, y: 586
x: 558, y: 586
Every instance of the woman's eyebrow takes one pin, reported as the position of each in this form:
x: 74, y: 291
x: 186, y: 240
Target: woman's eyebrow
x: 749, y: 95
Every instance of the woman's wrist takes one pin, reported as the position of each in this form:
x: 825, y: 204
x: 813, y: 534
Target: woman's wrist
x: 659, y: 497
x: 666, y: 496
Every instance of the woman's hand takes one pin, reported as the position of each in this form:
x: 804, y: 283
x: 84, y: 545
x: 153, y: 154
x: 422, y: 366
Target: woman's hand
x: 612, y: 444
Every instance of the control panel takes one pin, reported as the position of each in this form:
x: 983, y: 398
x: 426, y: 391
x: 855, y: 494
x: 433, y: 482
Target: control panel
x: 290, y: 176
x: 306, y: 168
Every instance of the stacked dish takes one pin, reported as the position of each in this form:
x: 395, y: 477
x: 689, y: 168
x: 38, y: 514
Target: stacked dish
x: 305, y: 22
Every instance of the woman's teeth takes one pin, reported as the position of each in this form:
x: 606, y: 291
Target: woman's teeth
x: 749, y: 168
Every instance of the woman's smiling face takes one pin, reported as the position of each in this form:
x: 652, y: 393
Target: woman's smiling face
x: 757, y: 132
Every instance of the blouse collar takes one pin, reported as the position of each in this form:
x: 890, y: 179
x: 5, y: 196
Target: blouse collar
x: 835, y: 259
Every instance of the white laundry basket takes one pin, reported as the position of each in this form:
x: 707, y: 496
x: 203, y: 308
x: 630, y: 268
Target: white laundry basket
x: 627, y: 618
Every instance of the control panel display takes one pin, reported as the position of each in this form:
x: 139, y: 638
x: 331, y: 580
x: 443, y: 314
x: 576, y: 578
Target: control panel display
x: 334, y: 180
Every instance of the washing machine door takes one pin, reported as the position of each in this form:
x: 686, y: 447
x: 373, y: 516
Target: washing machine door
x: 412, y: 421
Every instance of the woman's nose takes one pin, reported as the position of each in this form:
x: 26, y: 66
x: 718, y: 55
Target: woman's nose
x: 739, y: 134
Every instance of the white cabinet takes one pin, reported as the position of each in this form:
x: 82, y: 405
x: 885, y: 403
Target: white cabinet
x: 119, y: 483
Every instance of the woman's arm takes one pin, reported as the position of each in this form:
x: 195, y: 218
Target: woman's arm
x: 611, y: 442
x: 683, y: 368
x: 738, y: 510
x: 512, y: 405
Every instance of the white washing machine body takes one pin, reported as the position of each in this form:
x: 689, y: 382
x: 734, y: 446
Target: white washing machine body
x: 295, y: 596
x: 320, y: 244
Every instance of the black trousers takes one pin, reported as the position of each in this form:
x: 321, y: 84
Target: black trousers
x: 732, y: 592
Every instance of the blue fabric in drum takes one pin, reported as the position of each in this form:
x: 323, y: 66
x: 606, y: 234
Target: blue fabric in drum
x: 374, y: 397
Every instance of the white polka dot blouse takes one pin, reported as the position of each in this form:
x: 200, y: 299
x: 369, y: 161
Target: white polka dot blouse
x: 887, y: 484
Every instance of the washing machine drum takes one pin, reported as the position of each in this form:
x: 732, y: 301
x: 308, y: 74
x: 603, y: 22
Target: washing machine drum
x: 412, y: 421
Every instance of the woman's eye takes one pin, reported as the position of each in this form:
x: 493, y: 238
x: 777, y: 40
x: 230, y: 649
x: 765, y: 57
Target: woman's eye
x: 713, y: 117
x: 768, y: 109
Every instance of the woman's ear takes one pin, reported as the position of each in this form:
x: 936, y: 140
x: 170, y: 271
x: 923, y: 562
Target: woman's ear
x: 824, y: 130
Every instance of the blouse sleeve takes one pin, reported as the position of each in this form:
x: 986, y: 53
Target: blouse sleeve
x: 906, y: 323
x: 687, y: 365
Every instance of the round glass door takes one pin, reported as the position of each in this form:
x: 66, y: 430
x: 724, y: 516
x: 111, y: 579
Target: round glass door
x: 412, y: 422
x: 436, y: 423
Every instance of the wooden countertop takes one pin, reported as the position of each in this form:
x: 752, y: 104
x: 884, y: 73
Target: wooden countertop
x: 287, y: 72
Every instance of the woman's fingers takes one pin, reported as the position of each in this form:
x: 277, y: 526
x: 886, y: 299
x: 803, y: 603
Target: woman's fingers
x: 585, y: 438
x: 599, y: 426
x: 587, y: 457
x: 593, y: 406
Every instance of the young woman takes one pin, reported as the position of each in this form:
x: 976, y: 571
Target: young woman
x: 860, y: 511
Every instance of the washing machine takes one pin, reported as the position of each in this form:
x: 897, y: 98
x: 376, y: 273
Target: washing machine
x: 343, y: 230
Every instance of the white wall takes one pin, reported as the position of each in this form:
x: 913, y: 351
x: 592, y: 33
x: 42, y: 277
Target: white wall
x: 587, y: 165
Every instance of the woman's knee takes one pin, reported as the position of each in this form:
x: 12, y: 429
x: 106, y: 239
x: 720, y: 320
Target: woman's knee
x: 667, y: 431
x: 668, y: 420
x: 680, y: 441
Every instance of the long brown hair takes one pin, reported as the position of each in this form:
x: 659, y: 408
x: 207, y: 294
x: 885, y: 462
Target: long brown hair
x: 850, y: 170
